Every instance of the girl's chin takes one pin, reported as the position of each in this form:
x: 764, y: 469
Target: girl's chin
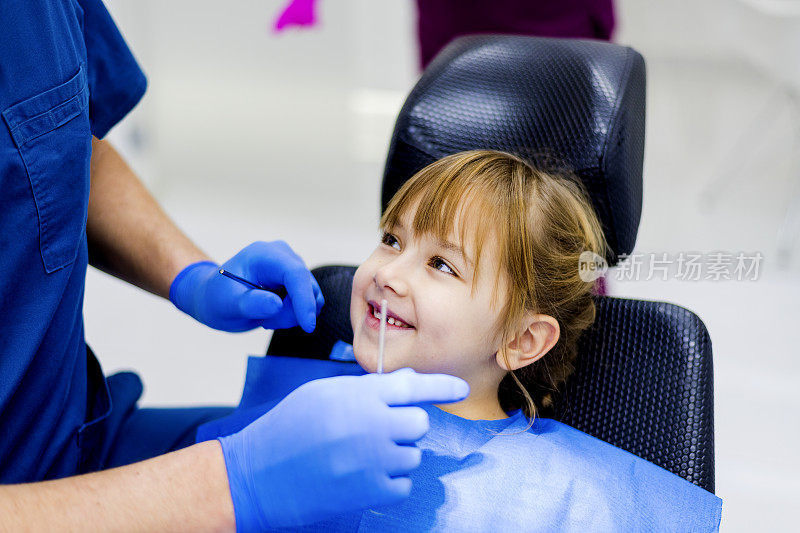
x: 371, y: 365
x: 366, y: 363
x: 367, y: 358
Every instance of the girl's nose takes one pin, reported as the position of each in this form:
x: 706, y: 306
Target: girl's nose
x: 392, y: 276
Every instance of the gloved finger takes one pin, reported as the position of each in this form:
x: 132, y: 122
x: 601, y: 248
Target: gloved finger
x: 222, y: 298
x: 258, y: 304
x: 400, y: 460
x: 407, y: 424
x: 267, y: 262
x: 406, y: 387
x: 284, y: 319
x: 318, y: 297
x: 392, y: 490
x: 299, y: 285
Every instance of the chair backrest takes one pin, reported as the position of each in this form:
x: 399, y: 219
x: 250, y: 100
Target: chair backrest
x: 553, y: 102
x: 643, y: 380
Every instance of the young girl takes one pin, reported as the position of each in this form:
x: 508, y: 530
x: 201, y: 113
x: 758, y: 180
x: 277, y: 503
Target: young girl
x: 479, y: 265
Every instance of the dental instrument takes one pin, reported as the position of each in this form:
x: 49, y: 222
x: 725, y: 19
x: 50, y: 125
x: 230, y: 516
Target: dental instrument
x: 280, y: 292
x: 382, y: 337
x: 243, y: 281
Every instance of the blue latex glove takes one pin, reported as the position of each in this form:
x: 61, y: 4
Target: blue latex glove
x: 331, y: 446
x: 222, y: 303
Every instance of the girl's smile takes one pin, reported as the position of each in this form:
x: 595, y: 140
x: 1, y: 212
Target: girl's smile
x: 373, y: 318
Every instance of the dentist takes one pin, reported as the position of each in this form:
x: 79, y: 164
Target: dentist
x: 75, y: 452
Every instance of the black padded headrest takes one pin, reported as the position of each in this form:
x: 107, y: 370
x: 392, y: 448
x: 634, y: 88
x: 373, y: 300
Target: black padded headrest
x: 579, y: 103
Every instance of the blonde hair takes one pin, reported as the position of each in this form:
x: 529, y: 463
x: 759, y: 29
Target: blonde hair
x: 543, y: 222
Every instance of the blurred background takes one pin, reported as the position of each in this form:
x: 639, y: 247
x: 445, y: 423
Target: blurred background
x: 247, y: 135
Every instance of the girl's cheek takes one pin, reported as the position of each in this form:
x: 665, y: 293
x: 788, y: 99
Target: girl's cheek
x: 361, y: 279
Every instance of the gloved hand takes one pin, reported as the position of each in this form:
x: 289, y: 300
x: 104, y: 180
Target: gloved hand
x: 331, y: 446
x: 222, y: 303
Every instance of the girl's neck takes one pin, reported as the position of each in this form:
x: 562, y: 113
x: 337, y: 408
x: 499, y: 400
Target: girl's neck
x: 477, y: 406
x: 482, y: 402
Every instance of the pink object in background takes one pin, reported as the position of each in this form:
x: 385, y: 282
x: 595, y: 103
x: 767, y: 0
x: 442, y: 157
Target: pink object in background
x: 441, y: 21
x: 296, y: 13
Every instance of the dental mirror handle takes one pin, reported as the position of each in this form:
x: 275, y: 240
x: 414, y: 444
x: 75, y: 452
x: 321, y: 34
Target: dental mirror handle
x: 382, y: 337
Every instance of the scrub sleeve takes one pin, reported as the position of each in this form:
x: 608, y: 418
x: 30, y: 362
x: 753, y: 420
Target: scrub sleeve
x: 65, y: 74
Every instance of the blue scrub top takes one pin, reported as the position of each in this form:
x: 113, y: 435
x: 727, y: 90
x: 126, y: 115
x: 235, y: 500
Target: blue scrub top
x: 65, y: 74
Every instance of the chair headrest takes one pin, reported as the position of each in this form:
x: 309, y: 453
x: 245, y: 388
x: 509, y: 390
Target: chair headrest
x: 580, y: 104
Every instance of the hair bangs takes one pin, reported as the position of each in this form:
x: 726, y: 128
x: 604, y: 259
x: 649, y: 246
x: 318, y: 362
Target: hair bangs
x: 442, y: 197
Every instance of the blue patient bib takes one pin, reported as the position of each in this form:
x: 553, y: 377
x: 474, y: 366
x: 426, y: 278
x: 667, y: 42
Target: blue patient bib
x: 500, y: 475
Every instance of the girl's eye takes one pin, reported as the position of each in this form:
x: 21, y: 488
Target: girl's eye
x: 390, y: 240
x: 439, y: 264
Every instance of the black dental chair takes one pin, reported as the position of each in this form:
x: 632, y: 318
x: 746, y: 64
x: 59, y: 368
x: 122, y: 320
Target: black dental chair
x: 644, y: 374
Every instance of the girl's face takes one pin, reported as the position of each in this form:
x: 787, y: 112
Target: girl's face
x: 436, y: 322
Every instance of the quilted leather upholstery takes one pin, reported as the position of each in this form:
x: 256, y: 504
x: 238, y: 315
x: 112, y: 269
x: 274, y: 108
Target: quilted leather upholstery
x: 643, y: 380
x: 554, y: 102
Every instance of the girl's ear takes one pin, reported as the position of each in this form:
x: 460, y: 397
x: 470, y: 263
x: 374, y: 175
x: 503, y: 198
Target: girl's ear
x: 538, y: 337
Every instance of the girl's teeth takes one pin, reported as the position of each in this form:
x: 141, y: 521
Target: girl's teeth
x: 389, y: 320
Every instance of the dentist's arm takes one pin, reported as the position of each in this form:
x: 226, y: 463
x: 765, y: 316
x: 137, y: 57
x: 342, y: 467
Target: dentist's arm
x: 333, y: 445
x: 129, y: 235
x: 185, y: 490
x: 132, y: 238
